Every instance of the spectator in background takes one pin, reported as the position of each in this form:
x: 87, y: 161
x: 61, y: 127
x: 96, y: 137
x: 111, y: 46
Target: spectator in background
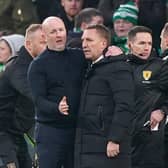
x: 68, y: 11
x: 9, y: 47
x: 108, y: 7
x: 86, y: 17
x: 124, y: 18
x: 16, y: 106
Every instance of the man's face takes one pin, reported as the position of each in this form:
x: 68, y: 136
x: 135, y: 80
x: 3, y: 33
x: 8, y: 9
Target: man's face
x: 93, y: 44
x: 72, y: 7
x: 164, y: 41
x: 141, y: 45
x: 38, y: 43
x: 55, y: 35
x: 122, y: 27
x: 5, y: 51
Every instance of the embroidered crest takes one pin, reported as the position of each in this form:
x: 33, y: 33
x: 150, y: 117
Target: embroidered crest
x: 147, y: 75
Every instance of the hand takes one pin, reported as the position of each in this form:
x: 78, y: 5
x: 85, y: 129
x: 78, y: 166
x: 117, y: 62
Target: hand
x: 112, y: 149
x: 156, y: 117
x: 63, y: 106
x: 113, y: 51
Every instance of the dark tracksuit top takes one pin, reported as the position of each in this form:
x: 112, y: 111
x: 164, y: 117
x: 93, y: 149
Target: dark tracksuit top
x: 52, y: 75
x: 151, y: 84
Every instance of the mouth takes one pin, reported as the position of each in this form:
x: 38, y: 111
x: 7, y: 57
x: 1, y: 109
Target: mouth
x: 59, y: 41
x: 73, y: 8
x: 122, y: 30
x: 86, y: 51
x: 144, y: 55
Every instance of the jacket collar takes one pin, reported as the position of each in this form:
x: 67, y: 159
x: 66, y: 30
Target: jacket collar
x: 24, y: 55
x: 165, y: 54
x: 137, y: 60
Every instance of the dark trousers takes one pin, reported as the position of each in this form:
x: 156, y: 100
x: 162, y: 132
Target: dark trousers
x: 13, y: 150
x: 55, y: 146
x: 148, y: 149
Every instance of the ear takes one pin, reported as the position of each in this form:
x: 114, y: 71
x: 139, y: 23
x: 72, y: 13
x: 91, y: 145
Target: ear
x: 83, y: 26
x: 166, y: 40
x: 129, y: 44
x: 62, y: 2
x: 28, y: 45
x: 104, y: 45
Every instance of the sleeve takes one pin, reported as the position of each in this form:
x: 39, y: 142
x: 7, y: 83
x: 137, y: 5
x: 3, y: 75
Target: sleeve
x: 18, y: 80
x: 163, y: 86
x: 122, y: 86
x: 38, y: 85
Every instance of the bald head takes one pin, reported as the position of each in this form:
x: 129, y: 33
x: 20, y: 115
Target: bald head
x: 47, y: 23
x: 55, y: 33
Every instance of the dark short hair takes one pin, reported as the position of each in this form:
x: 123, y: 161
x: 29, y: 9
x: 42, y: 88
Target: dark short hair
x: 138, y: 29
x: 86, y: 15
x: 103, y: 31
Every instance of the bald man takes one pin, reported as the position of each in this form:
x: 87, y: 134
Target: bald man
x: 55, y: 79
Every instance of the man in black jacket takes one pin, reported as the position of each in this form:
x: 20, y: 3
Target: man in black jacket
x: 164, y: 49
x: 151, y: 84
x: 104, y: 122
x: 16, y: 107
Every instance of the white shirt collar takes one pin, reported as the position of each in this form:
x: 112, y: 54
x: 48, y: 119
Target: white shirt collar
x: 98, y: 59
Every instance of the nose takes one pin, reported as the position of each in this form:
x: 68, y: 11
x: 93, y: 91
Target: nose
x: 73, y: 3
x: 147, y: 46
x: 84, y: 44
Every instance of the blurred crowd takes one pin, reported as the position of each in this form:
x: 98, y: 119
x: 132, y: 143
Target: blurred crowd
x: 17, y: 15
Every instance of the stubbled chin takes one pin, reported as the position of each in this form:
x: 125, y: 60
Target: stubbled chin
x: 87, y: 56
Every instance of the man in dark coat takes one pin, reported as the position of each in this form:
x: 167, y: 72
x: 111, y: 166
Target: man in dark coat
x: 151, y: 84
x: 164, y: 48
x: 16, y: 107
x: 104, y: 121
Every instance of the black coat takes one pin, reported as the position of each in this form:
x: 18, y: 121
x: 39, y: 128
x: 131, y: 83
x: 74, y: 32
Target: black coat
x: 105, y: 110
x: 16, y: 106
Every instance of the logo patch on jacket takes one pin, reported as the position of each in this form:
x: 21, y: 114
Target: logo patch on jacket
x: 147, y: 75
